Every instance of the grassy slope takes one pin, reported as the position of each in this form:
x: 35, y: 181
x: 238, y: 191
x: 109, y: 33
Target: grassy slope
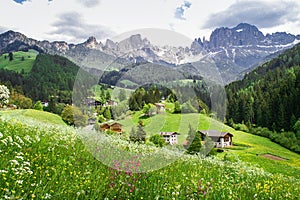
x: 40, y: 116
x: 49, y: 162
x: 17, y: 64
x: 260, y: 145
x: 248, y: 145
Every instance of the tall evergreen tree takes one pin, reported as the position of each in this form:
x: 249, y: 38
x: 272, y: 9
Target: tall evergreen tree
x: 193, y: 141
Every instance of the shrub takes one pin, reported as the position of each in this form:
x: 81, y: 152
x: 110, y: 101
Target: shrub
x: 158, y: 140
x: 38, y: 105
x: 241, y: 127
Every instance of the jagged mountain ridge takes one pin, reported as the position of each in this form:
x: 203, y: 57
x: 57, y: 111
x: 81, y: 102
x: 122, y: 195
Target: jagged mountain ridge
x: 231, y: 51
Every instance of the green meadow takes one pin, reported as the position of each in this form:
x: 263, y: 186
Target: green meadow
x: 22, y: 61
x: 249, y: 148
x: 42, y: 158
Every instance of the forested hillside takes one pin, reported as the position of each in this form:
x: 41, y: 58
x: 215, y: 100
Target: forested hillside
x: 268, y: 96
x: 51, y: 75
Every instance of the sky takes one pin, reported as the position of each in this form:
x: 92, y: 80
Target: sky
x: 76, y: 20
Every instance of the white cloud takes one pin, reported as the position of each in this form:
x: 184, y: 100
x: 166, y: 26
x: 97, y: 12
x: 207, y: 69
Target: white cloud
x: 40, y: 19
x: 89, y: 3
x: 72, y: 25
x: 260, y: 13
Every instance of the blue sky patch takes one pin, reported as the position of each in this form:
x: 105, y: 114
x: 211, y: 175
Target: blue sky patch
x: 19, y: 1
x: 179, y: 13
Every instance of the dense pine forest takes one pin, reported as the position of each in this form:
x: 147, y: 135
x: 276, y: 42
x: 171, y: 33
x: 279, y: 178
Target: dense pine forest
x: 269, y: 97
x: 50, y: 76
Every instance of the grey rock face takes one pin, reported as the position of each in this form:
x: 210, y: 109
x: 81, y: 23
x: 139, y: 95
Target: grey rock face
x: 232, y: 51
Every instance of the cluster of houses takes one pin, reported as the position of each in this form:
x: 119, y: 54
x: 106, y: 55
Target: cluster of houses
x: 220, y: 139
x: 114, y: 127
x: 92, y: 102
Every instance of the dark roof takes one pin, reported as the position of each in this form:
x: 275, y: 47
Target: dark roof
x: 116, y: 124
x: 102, y: 125
x: 160, y: 104
x: 168, y: 133
x: 113, y: 124
x: 214, y: 133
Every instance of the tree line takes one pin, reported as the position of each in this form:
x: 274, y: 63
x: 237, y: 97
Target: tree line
x: 269, y: 97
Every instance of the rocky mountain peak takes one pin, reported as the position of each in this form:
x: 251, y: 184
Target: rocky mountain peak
x: 280, y: 38
x: 92, y: 43
x: 233, y: 50
x: 91, y: 39
x: 109, y: 44
x: 197, y: 46
x: 133, y: 42
x: 242, y: 34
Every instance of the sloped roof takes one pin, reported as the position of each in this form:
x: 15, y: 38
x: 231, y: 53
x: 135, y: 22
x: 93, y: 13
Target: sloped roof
x: 109, y: 125
x: 214, y: 133
x: 116, y: 124
x: 159, y: 104
x: 168, y: 133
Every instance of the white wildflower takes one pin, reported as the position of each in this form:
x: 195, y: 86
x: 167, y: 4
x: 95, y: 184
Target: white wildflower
x: 14, y: 162
x: 48, y: 196
x: 19, y: 140
x: 10, y: 139
x: 1, y: 135
x: 20, y: 157
x: 4, y: 141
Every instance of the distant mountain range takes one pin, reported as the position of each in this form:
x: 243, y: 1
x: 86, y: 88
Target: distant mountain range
x: 229, y: 52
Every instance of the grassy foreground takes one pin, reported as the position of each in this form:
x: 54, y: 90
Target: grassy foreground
x: 49, y: 161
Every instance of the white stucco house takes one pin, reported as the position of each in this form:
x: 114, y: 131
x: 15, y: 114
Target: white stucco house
x: 170, y: 137
x: 220, y: 139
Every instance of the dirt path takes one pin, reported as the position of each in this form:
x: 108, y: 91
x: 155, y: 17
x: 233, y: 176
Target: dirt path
x: 272, y: 157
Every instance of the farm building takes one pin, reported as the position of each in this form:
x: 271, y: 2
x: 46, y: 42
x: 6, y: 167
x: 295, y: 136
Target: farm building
x: 111, y: 103
x: 115, y: 127
x: 160, y: 107
x: 220, y: 139
x: 170, y: 137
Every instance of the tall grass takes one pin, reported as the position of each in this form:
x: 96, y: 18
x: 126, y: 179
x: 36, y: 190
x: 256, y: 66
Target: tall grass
x: 47, y: 161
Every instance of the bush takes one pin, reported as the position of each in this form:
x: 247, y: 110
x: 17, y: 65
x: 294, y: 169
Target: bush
x: 73, y: 116
x: 288, y: 140
x: 38, y: 105
x: 241, y: 127
x: 158, y: 140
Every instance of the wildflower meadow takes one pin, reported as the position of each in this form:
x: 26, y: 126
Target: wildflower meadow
x: 49, y: 161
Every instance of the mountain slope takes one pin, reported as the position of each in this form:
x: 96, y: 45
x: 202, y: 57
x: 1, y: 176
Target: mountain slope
x: 231, y: 51
x: 269, y: 96
x: 50, y: 76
